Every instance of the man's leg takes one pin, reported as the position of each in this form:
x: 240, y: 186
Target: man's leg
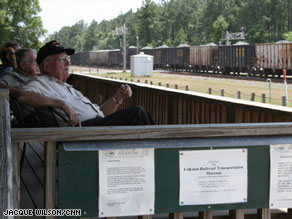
x: 135, y: 115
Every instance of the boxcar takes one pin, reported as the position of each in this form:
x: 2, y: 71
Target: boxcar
x: 132, y: 50
x: 182, y: 57
x: 115, y: 58
x: 236, y: 58
x: 76, y: 58
x: 168, y: 61
x: 272, y: 58
x: 148, y: 50
x: 85, y: 58
x: 103, y: 58
x: 157, y: 58
x: 160, y: 57
x: 92, y: 58
x: 203, y: 58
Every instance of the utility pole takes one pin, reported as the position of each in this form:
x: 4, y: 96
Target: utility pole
x: 137, y: 37
x: 123, y: 31
x: 285, y: 85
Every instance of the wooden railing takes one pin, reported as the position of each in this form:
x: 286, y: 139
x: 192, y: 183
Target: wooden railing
x: 172, y: 106
x: 160, y: 137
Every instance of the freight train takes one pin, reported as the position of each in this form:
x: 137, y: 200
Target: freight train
x: 263, y: 59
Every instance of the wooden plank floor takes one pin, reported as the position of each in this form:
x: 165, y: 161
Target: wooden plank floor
x: 32, y: 177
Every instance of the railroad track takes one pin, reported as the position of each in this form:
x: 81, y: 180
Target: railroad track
x: 242, y: 76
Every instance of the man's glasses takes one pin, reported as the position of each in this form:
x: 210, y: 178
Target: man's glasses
x: 61, y: 59
x: 33, y: 62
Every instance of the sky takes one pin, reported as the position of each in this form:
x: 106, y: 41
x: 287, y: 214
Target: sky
x: 58, y: 13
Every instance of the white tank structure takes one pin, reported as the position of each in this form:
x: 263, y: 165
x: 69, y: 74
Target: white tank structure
x: 141, y: 65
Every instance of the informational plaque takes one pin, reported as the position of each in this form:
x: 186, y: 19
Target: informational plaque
x: 281, y: 176
x: 126, y: 182
x: 213, y: 176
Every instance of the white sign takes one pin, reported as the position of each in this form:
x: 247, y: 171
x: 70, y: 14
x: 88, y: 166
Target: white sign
x: 234, y: 36
x: 213, y: 176
x: 126, y: 182
x: 281, y: 176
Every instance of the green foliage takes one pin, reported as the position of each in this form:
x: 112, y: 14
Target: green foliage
x: 19, y: 22
x: 148, y: 24
x: 71, y: 37
x: 220, y: 26
x: 170, y: 22
x: 288, y: 36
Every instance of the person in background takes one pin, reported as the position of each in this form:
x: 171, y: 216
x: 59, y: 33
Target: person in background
x: 26, y: 69
x: 7, y: 56
x: 13, y: 80
x: 54, y: 62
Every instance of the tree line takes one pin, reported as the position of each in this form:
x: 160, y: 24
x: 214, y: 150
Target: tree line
x: 170, y: 22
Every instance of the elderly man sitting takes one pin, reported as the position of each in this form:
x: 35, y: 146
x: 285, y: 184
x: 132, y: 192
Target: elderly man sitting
x: 54, y: 62
x: 13, y: 80
x: 26, y: 68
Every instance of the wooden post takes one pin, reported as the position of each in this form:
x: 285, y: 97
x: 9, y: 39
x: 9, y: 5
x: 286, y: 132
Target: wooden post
x: 222, y: 92
x: 187, y: 87
x: 145, y: 217
x: 264, y: 213
x: 263, y: 98
x: 236, y: 214
x: 9, y: 180
x: 205, y: 215
x: 16, y: 173
x: 176, y: 215
x: 176, y: 87
x: 252, y: 97
x: 290, y: 213
x: 283, y: 101
x: 50, y: 175
x: 238, y: 94
x: 210, y: 90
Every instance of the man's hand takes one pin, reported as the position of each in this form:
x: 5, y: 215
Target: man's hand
x: 73, y: 117
x: 38, y: 100
x: 123, y: 92
x: 112, y: 104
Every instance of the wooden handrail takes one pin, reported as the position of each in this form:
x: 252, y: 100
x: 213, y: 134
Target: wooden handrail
x: 151, y: 132
x: 172, y: 106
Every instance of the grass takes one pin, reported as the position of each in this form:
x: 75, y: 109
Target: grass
x: 202, y: 84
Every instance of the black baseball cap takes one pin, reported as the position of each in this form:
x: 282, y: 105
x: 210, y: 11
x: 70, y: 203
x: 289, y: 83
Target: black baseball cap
x: 51, y: 48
